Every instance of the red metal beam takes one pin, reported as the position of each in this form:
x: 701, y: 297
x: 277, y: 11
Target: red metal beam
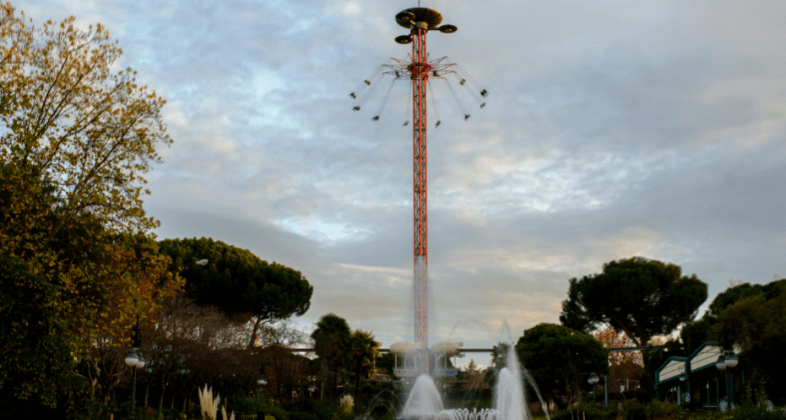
x: 419, y: 71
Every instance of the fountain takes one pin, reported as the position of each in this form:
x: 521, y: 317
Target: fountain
x: 509, y: 403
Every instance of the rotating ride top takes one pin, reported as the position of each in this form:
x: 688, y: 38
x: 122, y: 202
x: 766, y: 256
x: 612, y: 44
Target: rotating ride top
x: 417, y: 68
x: 419, y: 71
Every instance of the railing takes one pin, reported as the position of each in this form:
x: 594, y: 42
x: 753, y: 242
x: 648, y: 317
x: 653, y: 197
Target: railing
x: 445, y: 373
x: 437, y: 373
x: 406, y: 372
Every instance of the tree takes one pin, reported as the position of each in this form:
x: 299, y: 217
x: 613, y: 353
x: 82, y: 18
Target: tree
x: 499, y: 359
x: 622, y: 364
x: 756, y: 324
x: 183, y: 335
x: 694, y: 333
x: 285, y: 372
x: 560, y: 359
x: 75, y: 141
x: 473, y: 378
x: 386, y: 363
x: 362, y: 350
x: 71, y: 121
x: 643, y: 298
x: 35, y: 359
x: 238, y: 282
x: 331, y: 343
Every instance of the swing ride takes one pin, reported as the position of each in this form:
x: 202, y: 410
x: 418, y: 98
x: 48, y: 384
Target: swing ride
x: 420, y: 71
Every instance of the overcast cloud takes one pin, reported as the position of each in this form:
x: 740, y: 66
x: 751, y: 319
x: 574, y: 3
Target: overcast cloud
x: 613, y: 129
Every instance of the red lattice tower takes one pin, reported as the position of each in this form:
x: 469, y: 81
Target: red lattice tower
x: 419, y: 70
x: 420, y: 20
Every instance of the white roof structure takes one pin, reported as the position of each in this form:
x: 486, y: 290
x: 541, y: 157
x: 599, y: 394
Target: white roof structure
x: 671, y: 369
x: 704, y: 357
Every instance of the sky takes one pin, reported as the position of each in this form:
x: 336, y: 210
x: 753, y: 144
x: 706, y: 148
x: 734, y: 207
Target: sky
x: 612, y: 129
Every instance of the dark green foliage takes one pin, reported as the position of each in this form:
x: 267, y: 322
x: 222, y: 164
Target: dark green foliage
x: 640, y: 394
x: 361, y: 352
x: 301, y: 415
x: 642, y: 297
x: 498, y: 361
x: 742, y: 291
x: 697, y: 332
x: 560, y: 358
x: 326, y: 409
x: 242, y: 403
x: 36, y: 379
x: 597, y: 411
x: 386, y: 362
x: 331, y: 343
x: 238, y: 282
x: 757, y: 324
x: 634, y: 410
x: 588, y: 411
x: 661, y: 409
x: 754, y: 406
x: 379, y: 397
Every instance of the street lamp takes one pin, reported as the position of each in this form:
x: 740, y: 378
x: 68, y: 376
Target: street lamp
x: 721, y: 363
x: 262, y: 382
x: 134, y: 360
x: 202, y: 262
x: 683, y: 378
x: 593, y: 379
x: 728, y: 360
x: 731, y: 360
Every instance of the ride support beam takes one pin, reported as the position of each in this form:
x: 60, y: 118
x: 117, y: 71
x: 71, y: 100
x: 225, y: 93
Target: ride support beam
x: 419, y: 71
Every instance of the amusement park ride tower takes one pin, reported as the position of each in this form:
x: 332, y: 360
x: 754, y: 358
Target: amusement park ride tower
x: 419, y: 70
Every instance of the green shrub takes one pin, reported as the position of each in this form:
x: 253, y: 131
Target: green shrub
x: 595, y: 411
x: 635, y: 410
x: 661, y: 409
x: 640, y: 394
x: 245, y: 403
x: 300, y: 415
x: 325, y: 408
x: 754, y: 407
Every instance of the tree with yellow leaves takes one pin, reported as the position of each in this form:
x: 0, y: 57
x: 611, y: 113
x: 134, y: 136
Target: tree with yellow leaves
x: 76, y: 139
x: 73, y: 123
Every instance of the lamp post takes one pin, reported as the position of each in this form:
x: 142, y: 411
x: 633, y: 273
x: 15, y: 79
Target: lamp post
x: 728, y: 360
x: 592, y: 380
x: 134, y: 360
x: 262, y: 382
x: 683, y: 378
x: 708, y: 392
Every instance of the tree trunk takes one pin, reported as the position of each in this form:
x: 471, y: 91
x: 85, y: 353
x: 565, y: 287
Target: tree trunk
x: 147, y: 393
x: 254, y: 334
x: 649, y: 378
x: 163, y: 389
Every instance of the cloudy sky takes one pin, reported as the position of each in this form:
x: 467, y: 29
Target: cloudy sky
x: 613, y: 129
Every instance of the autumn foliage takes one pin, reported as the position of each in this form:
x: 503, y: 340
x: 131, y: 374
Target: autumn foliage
x: 622, y: 364
x: 76, y: 139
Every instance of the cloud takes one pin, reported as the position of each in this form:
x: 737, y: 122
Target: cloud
x: 612, y: 129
